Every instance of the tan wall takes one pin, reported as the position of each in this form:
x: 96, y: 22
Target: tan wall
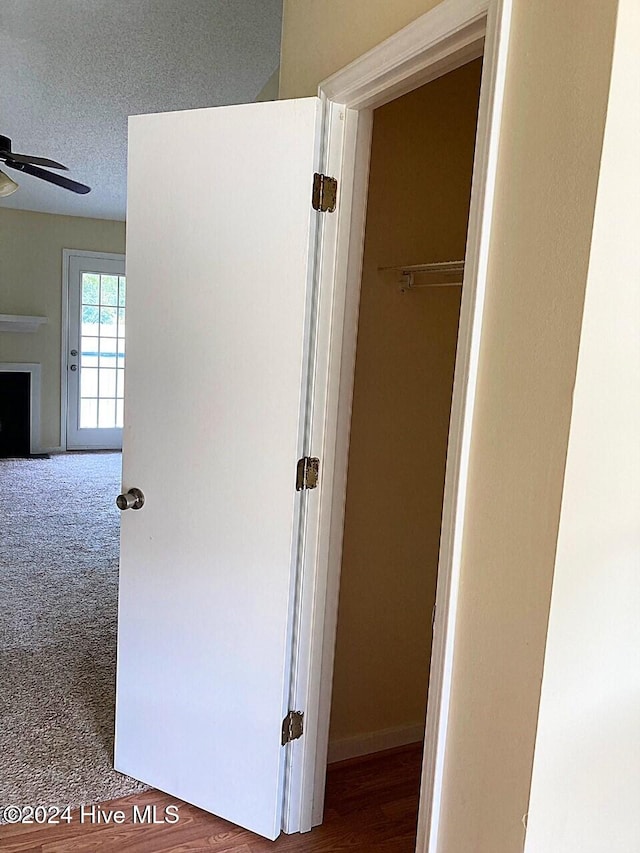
x: 556, y: 98
x: 589, y: 728
x: 420, y: 182
x: 269, y: 91
x: 31, y: 247
x: 322, y: 36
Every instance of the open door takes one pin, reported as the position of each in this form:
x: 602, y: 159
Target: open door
x: 220, y: 241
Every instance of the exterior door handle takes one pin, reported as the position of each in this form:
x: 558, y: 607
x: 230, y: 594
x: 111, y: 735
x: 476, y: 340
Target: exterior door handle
x: 133, y: 499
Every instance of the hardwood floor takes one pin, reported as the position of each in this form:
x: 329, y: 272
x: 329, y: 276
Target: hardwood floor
x: 371, y: 807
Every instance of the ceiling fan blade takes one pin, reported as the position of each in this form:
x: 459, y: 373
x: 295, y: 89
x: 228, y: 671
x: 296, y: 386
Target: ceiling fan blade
x: 33, y: 161
x: 58, y: 180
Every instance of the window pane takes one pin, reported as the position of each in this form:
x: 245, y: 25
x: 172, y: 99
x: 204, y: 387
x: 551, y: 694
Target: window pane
x: 90, y: 320
x: 107, y: 414
x: 120, y: 383
x: 120, y: 352
x: 108, y: 352
x: 107, y: 382
x: 108, y: 289
x: 121, y: 321
x: 122, y: 292
x: 108, y: 319
x: 88, y: 382
x: 90, y: 288
x: 120, y: 413
x: 89, y: 349
x: 88, y: 414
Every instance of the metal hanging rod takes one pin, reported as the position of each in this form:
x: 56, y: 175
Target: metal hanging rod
x: 443, y: 268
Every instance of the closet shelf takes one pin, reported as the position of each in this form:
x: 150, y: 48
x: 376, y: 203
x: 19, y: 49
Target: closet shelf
x: 21, y: 323
x: 439, y: 271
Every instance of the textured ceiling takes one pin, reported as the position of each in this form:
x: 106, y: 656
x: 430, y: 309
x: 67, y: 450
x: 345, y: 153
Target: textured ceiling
x: 73, y: 70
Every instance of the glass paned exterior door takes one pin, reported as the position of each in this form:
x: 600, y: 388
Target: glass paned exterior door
x: 96, y: 352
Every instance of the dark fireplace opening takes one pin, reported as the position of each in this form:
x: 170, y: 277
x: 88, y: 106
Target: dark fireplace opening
x: 15, y: 414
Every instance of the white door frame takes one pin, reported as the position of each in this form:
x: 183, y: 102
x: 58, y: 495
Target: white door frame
x: 450, y: 35
x: 67, y: 255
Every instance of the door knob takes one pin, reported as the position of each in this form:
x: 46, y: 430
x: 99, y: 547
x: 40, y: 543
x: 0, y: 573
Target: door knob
x: 74, y: 352
x: 133, y: 499
x: 73, y: 367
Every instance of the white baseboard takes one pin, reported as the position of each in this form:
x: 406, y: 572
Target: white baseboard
x: 353, y: 747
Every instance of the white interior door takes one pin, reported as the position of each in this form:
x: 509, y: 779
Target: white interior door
x: 220, y: 236
x: 95, y: 354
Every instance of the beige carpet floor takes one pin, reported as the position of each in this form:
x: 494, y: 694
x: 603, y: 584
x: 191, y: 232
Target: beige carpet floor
x: 59, y: 530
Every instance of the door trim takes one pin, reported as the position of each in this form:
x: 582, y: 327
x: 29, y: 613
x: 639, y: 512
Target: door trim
x: 67, y: 255
x: 450, y: 35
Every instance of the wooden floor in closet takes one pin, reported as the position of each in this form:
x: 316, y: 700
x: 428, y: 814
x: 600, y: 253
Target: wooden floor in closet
x: 371, y: 807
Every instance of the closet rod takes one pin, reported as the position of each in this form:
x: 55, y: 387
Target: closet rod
x: 409, y: 271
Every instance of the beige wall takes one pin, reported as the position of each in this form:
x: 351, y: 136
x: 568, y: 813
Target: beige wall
x: 420, y: 181
x: 269, y: 91
x: 31, y: 247
x: 322, y: 36
x: 589, y: 726
x: 556, y: 98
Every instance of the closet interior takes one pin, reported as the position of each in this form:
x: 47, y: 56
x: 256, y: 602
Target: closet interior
x: 417, y: 212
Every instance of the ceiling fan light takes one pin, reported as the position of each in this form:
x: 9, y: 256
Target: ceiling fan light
x: 7, y: 186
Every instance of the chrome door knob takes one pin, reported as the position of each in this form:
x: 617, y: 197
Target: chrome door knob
x: 73, y: 367
x: 133, y: 499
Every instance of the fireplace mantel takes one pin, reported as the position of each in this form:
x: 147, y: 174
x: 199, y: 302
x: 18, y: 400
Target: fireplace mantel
x: 21, y: 323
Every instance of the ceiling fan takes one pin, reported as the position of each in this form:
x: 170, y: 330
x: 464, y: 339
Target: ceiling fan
x: 32, y: 166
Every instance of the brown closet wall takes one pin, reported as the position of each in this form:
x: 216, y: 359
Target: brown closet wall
x: 420, y: 181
